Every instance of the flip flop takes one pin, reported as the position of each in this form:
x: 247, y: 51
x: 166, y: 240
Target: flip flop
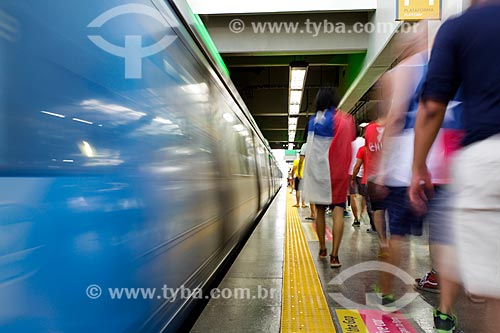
x: 310, y: 218
x: 296, y: 206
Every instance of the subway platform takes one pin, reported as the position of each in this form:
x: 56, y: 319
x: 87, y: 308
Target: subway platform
x: 285, y: 287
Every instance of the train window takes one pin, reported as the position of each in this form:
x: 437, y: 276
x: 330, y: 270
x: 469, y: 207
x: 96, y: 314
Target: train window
x: 83, y: 117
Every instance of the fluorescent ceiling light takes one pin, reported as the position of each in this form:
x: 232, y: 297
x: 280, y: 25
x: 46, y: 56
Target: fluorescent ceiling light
x: 86, y: 149
x: 229, y: 118
x: 297, y: 77
x: 239, y: 128
x: 281, y: 6
x: 83, y: 121
x: 295, y: 97
x: 53, y: 114
x: 162, y: 121
x: 294, y: 109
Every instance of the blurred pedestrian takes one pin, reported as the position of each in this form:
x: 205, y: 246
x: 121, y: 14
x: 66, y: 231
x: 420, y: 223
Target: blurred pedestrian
x: 329, y: 151
x: 465, y: 54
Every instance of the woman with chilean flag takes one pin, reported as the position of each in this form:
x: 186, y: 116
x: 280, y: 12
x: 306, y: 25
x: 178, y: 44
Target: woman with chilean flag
x: 326, y: 174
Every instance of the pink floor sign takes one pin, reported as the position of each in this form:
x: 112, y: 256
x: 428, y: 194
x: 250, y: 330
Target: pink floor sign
x: 378, y: 321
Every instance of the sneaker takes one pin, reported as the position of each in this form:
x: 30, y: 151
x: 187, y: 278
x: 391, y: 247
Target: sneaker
x: 346, y: 213
x: 428, y: 283
x: 444, y: 323
x: 356, y: 224
x: 334, y: 262
x: 323, y: 253
x: 386, y: 302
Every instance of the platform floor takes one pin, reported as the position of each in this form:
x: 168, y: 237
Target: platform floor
x: 283, y: 294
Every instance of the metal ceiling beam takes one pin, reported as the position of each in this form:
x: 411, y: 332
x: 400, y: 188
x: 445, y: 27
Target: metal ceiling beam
x: 274, y: 61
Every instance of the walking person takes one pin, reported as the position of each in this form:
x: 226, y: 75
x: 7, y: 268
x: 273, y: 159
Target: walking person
x: 465, y: 54
x: 329, y: 151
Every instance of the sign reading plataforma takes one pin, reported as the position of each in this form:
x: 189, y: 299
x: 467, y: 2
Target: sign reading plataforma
x: 414, y: 10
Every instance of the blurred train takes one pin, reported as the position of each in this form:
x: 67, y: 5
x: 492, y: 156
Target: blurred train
x: 109, y: 181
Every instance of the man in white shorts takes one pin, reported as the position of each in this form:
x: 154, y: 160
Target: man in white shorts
x: 465, y: 55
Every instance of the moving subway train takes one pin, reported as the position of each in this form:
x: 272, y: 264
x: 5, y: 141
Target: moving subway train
x: 127, y: 160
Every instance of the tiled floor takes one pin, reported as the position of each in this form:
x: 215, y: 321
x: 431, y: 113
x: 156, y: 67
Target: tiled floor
x: 260, y: 265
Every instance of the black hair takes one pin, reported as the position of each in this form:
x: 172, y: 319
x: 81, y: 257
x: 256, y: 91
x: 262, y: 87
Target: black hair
x: 360, y: 131
x: 326, y: 98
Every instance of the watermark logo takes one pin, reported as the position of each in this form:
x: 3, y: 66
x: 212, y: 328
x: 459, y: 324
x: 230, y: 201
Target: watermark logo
x: 372, y: 298
x: 133, y: 52
x: 182, y: 292
x: 93, y: 291
x: 316, y: 28
x: 237, y: 26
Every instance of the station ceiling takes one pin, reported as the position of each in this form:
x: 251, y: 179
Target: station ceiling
x: 263, y: 84
x: 259, y: 66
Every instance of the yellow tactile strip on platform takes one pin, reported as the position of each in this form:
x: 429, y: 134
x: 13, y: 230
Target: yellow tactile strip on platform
x: 304, y: 307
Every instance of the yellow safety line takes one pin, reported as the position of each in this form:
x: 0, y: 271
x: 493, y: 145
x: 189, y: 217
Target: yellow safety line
x: 310, y: 232
x: 304, y: 307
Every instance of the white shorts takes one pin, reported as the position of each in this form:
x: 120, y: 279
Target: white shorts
x: 476, y: 216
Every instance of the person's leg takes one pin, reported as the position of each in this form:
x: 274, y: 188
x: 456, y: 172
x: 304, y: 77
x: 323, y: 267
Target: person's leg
x: 492, y: 313
x: 393, y: 258
x: 312, y: 216
x: 338, y: 229
x: 303, y: 200
x: 354, y: 207
x: 370, y: 210
x: 449, y: 294
x: 363, y: 204
x: 320, y: 225
x: 379, y: 222
x: 313, y: 210
x: 297, y: 192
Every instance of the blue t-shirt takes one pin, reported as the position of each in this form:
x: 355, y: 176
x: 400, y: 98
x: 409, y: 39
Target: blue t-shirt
x: 467, y: 53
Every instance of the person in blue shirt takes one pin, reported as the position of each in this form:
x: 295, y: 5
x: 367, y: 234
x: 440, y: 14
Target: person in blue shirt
x: 466, y: 54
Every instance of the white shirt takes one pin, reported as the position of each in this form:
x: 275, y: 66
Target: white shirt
x: 356, y: 144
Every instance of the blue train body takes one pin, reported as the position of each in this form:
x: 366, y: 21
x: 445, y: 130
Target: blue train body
x: 115, y: 181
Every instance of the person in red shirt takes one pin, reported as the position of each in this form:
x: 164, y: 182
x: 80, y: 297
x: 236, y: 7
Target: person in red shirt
x: 373, y: 150
x: 361, y: 161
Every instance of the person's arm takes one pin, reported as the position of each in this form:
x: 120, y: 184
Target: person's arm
x: 442, y: 83
x: 356, y: 169
x: 397, y: 89
x: 293, y: 171
x: 428, y: 123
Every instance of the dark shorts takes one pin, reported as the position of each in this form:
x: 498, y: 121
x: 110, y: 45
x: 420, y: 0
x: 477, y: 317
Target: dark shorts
x: 297, y: 183
x: 354, y: 189
x: 439, y: 217
x: 362, y: 190
x: 401, y: 218
x: 341, y: 204
x: 374, y: 203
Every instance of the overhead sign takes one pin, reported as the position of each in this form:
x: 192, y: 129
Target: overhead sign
x: 415, y: 10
